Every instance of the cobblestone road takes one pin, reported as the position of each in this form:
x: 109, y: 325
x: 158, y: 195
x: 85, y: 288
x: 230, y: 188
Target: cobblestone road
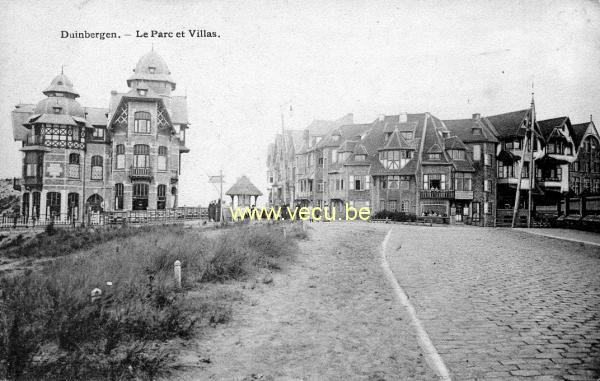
x: 501, y: 304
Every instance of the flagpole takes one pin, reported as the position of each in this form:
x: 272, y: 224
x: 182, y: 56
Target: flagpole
x: 531, y: 164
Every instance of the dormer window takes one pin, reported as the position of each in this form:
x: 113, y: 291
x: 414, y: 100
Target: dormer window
x: 476, y: 131
x: 57, y: 109
x: 387, y: 136
x: 435, y: 156
x: 151, y: 69
x: 445, y: 134
x: 408, y: 135
x: 59, y: 83
x: 457, y: 154
x: 142, y: 92
x: 360, y: 157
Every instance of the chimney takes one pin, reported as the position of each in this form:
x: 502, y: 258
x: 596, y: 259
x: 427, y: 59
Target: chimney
x: 591, y: 118
x: 113, y: 92
x: 402, y: 117
x: 305, y: 137
x: 476, y: 116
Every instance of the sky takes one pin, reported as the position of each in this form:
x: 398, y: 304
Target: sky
x: 325, y: 58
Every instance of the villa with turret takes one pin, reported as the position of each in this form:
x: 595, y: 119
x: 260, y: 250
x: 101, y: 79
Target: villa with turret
x: 124, y: 157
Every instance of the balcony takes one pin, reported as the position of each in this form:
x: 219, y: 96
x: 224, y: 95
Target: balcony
x: 140, y: 173
x: 34, y: 143
x: 437, y: 194
x: 32, y: 181
x: 463, y: 195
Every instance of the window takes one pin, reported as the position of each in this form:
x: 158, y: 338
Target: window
x: 393, y: 182
x: 73, y: 169
x: 33, y: 164
x: 434, y: 181
x: 161, y: 194
x: 463, y: 181
x: 151, y: 69
x: 476, y: 131
x: 57, y: 109
x: 98, y: 133
x: 141, y: 156
x: 25, y: 206
x: 73, y: 206
x: 120, y: 163
x: 506, y: 171
x: 404, y: 184
x: 53, y: 204
x: 477, y: 152
x: 119, y: 196
x: 408, y: 135
x: 97, y: 172
x: 487, y: 185
x: 36, y: 204
x: 575, y: 166
x: 576, y: 185
x: 162, y: 158
x: 360, y: 183
x: 487, y: 207
x: 359, y: 157
x: 141, y: 122
x: 435, y: 156
x: 320, y: 187
x: 405, y: 206
x: 487, y: 159
x: 513, y: 144
x: 393, y: 205
x: 457, y: 154
x: 394, y: 159
x: 140, y: 190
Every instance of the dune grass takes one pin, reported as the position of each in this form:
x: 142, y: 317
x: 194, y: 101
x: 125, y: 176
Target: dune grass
x: 50, y: 328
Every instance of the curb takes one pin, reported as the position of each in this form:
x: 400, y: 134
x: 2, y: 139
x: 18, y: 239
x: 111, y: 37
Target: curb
x: 434, y: 360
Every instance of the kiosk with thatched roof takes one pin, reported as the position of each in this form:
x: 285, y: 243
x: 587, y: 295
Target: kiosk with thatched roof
x: 244, y: 190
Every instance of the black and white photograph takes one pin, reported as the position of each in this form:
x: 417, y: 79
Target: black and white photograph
x: 300, y: 190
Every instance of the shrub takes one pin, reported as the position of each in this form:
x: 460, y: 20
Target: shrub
x: 50, y: 328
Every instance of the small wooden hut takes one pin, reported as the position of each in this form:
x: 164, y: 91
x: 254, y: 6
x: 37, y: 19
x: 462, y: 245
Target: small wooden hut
x: 244, y: 190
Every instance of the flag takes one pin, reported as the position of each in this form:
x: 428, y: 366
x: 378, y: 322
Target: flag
x: 215, y: 179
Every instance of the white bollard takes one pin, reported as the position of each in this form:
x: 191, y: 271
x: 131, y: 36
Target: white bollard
x: 284, y: 232
x: 177, y: 268
x: 96, y: 294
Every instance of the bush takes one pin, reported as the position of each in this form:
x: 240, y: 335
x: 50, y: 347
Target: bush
x: 395, y: 216
x: 51, y: 329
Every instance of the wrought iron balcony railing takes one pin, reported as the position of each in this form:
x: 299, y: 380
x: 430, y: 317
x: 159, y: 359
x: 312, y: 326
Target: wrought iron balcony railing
x: 140, y: 172
x: 439, y: 194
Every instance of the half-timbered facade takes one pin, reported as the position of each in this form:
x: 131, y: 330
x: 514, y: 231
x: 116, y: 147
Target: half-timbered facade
x: 126, y: 157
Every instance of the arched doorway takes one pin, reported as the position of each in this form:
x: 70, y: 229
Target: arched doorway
x: 94, y: 203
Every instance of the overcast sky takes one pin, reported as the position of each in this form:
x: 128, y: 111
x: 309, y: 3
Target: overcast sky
x: 329, y: 58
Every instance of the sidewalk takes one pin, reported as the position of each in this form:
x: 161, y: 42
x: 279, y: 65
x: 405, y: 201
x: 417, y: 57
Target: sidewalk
x: 585, y: 237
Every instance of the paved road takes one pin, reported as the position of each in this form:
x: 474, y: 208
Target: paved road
x: 502, y: 304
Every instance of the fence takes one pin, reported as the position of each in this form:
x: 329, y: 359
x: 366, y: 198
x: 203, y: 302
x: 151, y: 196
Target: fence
x: 106, y: 218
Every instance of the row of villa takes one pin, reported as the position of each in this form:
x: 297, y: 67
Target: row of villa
x: 464, y: 169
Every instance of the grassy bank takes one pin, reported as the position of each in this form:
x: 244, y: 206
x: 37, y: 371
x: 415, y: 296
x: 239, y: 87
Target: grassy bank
x: 51, y: 329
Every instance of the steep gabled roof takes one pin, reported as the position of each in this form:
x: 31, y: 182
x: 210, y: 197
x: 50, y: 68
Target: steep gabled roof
x: 548, y: 125
x: 453, y: 142
x: 97, y: 116
x: 465, y: 130
x: 323, y: 127
x: 508, y: 125
x: 396, y: 141
x: 579, y: 131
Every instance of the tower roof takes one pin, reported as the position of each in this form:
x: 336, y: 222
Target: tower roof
x: 61, y: 84
x: 152, y: 67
